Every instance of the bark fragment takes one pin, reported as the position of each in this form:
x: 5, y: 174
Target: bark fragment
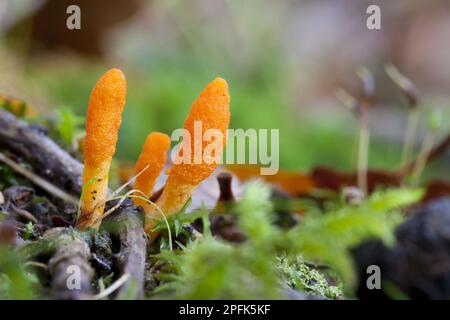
x: 46, y: 157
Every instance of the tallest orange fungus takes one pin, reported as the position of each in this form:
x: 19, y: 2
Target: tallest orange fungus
x: 104, y: 116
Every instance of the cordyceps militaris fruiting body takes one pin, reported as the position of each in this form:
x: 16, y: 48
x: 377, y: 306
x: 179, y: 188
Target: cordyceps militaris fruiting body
x: 104, y: 116
x: 211, y: 109
x: 149, y: 165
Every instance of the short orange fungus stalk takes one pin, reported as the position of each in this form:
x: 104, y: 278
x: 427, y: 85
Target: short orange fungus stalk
x: 104, y: 116
x: 211, y: 109
x: 150, y: 164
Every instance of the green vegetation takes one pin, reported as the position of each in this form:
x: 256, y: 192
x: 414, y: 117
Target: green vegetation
x: 299, y: 275
x: 15, y: 281
x: 270, y: 259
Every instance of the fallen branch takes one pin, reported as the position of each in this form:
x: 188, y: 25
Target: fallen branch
x: 56, y: 165
x: 31, y: 176
x: 128, y: 227
x: 71, y: 272
x: 68, y: 267
x: 46, y: 157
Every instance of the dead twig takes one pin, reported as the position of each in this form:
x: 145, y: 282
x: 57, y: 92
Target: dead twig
x: 36, y: 148
x: 31, y: 176
x: 126, y: 225
x: 68, y: 267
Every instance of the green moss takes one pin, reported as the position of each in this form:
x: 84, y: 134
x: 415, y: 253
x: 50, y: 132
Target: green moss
x: 29, y: 231
x: 298, y: 275
x: 271, y: 258
x: 15, y: 281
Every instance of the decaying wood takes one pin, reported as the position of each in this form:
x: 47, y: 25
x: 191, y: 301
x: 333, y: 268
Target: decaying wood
x: 127, y: 226
x: 58, y: 166
x: 46, y: 157
x: 69, y: 268
x: 38, y: 181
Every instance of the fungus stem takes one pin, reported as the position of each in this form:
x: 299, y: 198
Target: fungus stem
x: 83, y: 191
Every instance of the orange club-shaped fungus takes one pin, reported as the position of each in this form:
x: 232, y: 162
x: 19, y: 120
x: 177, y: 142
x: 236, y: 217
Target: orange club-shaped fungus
x: 149, y: 165
x: 211, y: 110
x: 104, y: 116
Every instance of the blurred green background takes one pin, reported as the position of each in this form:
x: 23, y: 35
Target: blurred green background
x: 283, y: 61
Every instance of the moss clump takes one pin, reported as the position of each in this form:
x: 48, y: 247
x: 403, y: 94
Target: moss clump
x: 298, y: 275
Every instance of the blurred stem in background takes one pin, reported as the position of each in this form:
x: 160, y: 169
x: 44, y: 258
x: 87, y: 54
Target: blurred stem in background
x: 409, y: 90
x: 434, y: 123
x: 363, y: 153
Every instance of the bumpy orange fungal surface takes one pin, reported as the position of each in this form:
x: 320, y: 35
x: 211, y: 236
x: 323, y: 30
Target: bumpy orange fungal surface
x: 211, y: 108
x: 103, y: 121
x: 104, y: 116
x: 153, y: 157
